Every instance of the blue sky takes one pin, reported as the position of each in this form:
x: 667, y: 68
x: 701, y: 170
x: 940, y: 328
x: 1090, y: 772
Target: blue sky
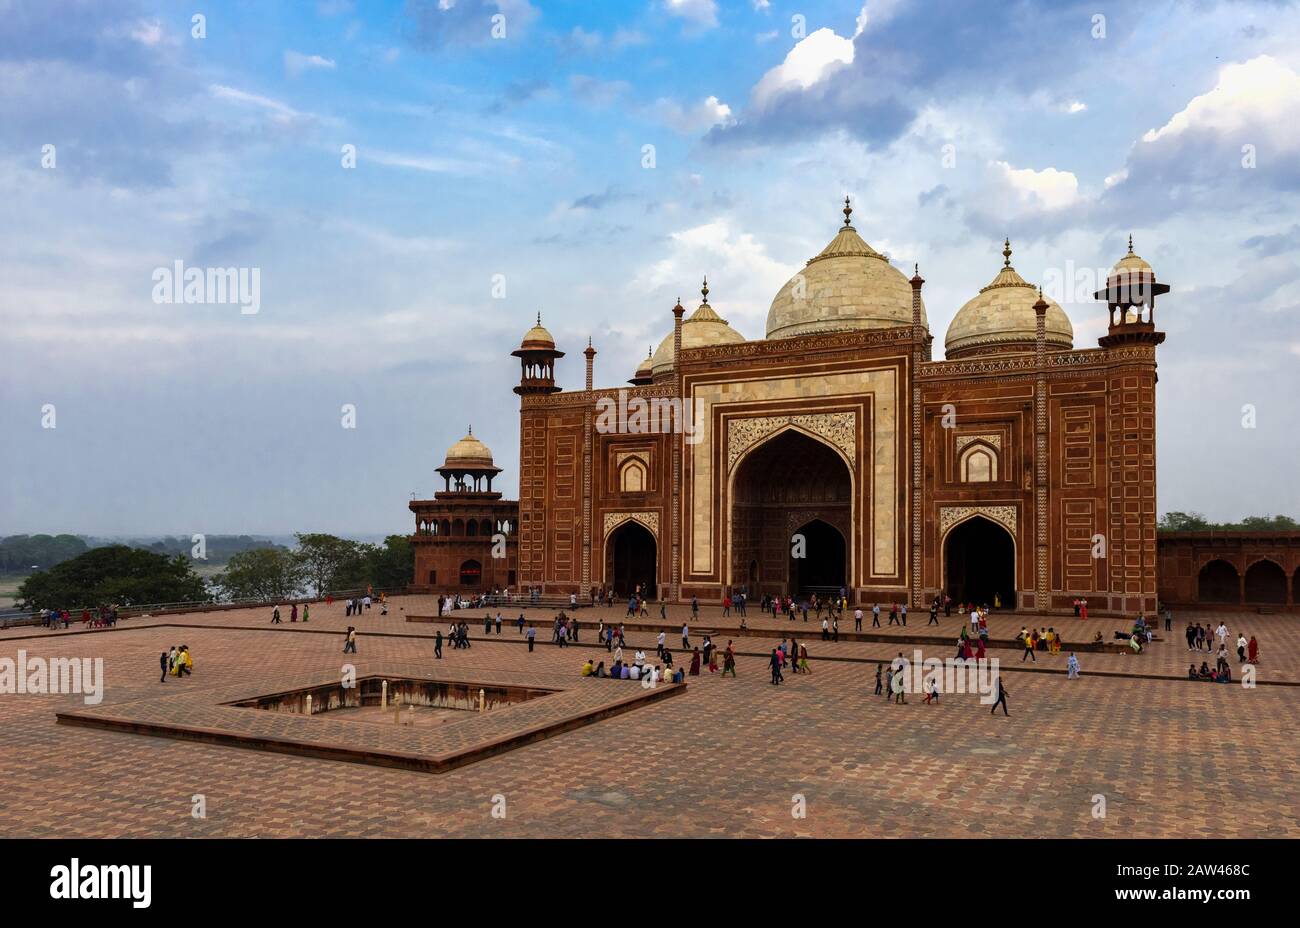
x: 523, y: 156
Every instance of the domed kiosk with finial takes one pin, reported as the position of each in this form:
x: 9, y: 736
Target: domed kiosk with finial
x: 644, y: 371
x: 848, y: 286
x: 1130, y: 295
x: 469, y: 465
x: 1001, y: 318
x: 537, y: 354
x: 702, y: 328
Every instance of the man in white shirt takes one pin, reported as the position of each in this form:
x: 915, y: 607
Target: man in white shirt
x: 1222, y: 632
x: 857, y: 620
x: 634, y: 673
x: 639, y: 659
x: 974, y: 619
x: 662, y: 638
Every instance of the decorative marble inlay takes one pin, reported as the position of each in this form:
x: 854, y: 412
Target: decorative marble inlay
x: 622, y: 456
x: 964, y: 440
x: 649, y: 519
x: 951, y: 515
x: 839, y: 428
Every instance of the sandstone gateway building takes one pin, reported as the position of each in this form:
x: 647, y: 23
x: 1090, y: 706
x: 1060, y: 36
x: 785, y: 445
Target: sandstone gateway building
x: 1019, y: 469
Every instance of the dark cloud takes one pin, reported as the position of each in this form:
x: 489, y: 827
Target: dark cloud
x: 916, y: 57
x: 433, y: 27
x: 518, y: 92
x: 1266, y: 246
x: 600, y: 200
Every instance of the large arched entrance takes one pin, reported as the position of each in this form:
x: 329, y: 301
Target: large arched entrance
x: 631, y: 559
x: 820, y: 567
x: 979, y: 558
x: 471, y: 573
x: 791, y: 484
x: 1265, y: 583
x: 1218, y: 582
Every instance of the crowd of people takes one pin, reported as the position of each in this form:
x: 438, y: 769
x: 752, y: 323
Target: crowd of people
x: 100, y: 617
x: 178, y: 662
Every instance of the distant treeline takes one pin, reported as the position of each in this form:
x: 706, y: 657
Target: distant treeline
x: 21, y: 553
x: 1195, y: 522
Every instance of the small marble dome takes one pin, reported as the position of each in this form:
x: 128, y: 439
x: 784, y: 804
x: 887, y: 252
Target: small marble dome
x: 537, y: 337
x: 848, y: 286
x: 645, y: 370
x: 1001, y: 318
x: 469, y: 453
x: 702, y: 328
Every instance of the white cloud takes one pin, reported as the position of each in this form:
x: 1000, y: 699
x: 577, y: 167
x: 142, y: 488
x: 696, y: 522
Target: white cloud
x: 805, y: 64
x: 148, y: 32
x: 295, y: 63
x: 1048, y: 189
x: 1074, y: 106
x: 703, y: 115
x: 280, y: 112
x: 1259, y: 92
x: 699, y: 12
x: 743, y: 277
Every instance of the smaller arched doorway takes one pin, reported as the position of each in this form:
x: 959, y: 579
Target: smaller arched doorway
x: 1218, y: 582
x: 979, y: 558
x: 821, y: 568
x: 1265, y: 583
x: 471, y: 573
x: 631, y: 560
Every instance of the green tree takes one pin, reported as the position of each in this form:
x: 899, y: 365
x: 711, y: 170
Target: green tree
x: 261, y: 573
x: 1183, y: 522
x: 392, y: 566
x: 329, y: 562
x: 114, y: 574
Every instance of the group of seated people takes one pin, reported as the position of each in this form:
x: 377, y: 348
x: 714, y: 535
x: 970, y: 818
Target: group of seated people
x: 1222, y: 675
x: 634, y: 671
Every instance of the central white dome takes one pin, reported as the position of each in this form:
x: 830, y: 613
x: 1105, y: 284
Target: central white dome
x: 848, y: 286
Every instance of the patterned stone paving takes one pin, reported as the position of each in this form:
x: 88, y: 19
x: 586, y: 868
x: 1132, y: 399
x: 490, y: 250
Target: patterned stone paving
x: 727, y: 757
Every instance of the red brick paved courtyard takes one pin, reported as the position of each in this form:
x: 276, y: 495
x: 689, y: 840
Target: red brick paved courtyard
x: 727, y: 758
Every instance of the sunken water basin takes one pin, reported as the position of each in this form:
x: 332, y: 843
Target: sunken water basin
x: 433, y: 700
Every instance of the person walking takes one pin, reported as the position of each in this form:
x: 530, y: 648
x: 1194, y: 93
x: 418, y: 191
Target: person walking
x: 875, y: 616
x: 275, y: 616
x: 659, y: 643
x: 437, y: 645
x: 1001, y: 700
x: 934, y: 613
x: 931, y: 693
x: 498, y: 623
x: 857, y: 619
x: 1028, y: 641
x: 162, y: 662
x: 1072, y: 667
x: 1241, y: 647
x: 686, y: 640
x: 835, y: 629
x: 729, y: 661
x: 903, y: 613
x: 879, y: 669
x: 695, y: 608
x: 826, y: 629
x: 350, y: 640
x: 775, y: 665
x: 897, y: 685
x: 531, y: 635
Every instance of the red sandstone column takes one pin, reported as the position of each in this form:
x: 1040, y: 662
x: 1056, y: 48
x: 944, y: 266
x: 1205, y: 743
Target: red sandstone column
x: 1041, y: 567
x: 674, y: 589
x: 918, y: 350
x: 585, y: 586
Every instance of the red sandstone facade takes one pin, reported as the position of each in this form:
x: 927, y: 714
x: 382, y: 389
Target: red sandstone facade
x: 1256, y: 570
x: 1019, y: 471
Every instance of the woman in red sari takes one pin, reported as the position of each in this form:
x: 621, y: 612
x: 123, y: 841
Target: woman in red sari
x: 1252, y: 651
x: 695, y: 663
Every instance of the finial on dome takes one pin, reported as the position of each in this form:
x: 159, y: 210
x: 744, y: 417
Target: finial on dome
x: 704, y: 290
x: 1006, y: 253
x: 1130, y: 243
x: 848, y: 211
x: 471, y: 430
x: 539, y: 317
